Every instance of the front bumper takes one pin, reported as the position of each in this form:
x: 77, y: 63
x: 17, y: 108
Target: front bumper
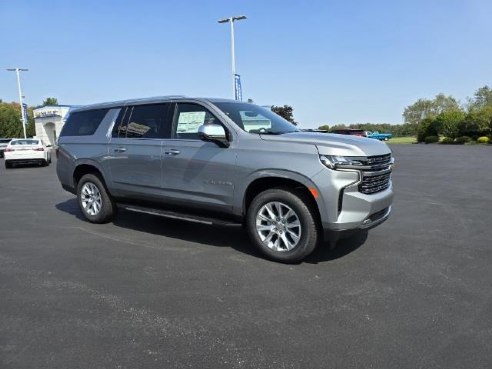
x: 332, y: 236
x: 344, y: 208
x: 360, y: 211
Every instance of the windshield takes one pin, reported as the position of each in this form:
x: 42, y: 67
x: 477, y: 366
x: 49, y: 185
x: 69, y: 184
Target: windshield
x: 24, y: 142
x: 255, y: 119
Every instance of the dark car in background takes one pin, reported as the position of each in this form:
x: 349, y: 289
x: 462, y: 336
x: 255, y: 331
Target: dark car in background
x: 350, y: 132
x: 3, y: 144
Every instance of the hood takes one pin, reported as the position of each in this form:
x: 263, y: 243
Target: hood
x: 334, y: 144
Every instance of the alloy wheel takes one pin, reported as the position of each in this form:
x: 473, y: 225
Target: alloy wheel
x: 91, y: 198
x: 278, y: 226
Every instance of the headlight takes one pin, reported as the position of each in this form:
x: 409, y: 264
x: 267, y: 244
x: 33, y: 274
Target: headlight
x: 334, y: 161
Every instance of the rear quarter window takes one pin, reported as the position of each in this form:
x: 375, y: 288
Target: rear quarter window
x: 83, y: 123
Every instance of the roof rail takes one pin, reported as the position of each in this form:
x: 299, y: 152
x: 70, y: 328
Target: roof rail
x: 159, y: 97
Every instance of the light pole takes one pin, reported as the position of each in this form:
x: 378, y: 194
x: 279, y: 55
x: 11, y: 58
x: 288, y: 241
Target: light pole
x: 23, y: 117
x: 231, y: 20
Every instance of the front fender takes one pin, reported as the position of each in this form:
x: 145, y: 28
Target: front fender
x: 242, y: 187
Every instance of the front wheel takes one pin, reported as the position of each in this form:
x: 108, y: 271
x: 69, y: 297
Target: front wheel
x: 282, y: 225
x: 94, y: 200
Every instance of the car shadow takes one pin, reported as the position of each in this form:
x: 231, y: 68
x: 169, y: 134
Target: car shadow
x: 235, y: 237
x: 25, y: 165
x: 218, y: 236
x: 71, y: 207
x: 342, y: 248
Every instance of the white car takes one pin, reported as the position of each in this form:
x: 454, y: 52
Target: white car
x: 25, y: 151
x: 3, y: 144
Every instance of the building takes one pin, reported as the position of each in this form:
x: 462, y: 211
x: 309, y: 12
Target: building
x: 49, y: 121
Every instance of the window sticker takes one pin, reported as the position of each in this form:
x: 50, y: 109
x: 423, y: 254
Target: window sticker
x: 188, y: 122
x: 136, y: 129
x: 253, y: 122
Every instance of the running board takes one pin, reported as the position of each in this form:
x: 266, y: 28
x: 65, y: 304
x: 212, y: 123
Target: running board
x: 179, y: 216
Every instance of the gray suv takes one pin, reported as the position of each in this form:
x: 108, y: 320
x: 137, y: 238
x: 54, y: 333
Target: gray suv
x: 218, y: 161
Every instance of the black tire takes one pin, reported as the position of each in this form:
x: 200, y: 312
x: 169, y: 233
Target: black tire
x: 303, y: 210
x: 45, y: 163
x: 106, y: 210
x: 8, y: 165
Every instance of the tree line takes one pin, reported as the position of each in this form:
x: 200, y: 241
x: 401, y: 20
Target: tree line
x: 397, y: 130
x: 11, y: 120
x: 445, y: 116
x: 441, y: 116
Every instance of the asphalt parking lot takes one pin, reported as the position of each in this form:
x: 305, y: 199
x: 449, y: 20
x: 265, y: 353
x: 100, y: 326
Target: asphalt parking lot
x: 147, y: 292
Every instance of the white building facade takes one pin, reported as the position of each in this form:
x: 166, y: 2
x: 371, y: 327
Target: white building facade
x: 49, y: 121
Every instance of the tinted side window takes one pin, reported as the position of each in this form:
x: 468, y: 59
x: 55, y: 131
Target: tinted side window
x: 188, y: 118
x: 146, y: 121
x: 83, y: 123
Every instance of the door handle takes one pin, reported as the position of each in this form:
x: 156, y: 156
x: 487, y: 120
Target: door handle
x: 120, y: 149
x: 172, y: 152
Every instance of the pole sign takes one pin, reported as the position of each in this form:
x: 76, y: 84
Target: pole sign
x: 238, y: 90
x: 25, y: 112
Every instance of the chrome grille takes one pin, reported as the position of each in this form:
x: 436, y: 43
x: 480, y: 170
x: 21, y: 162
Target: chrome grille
x: 376, y: 174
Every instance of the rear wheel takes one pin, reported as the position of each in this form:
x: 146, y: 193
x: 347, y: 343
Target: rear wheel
x: 8, y: 165
x: 94, y: 200
x: 282, y: 225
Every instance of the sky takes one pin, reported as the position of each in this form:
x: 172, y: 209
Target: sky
x: 341, y: 61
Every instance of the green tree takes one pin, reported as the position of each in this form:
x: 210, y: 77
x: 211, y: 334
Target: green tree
x: 427, y: 127
x: 286, y: 112
x: 422, y: 114
x: 448, y: 123
x: 481, y: 98
x: 50, y: 101
x: 478, y: 122
x: 425, y: 108
x: 406, y: 129
x: 418, y: 111
x: 324, y: 127
x: 443, y: 103
x: 30, y: 128
x: 10, y: 120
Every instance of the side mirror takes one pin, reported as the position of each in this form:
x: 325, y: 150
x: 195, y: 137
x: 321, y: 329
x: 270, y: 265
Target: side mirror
x: 213, y: 133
